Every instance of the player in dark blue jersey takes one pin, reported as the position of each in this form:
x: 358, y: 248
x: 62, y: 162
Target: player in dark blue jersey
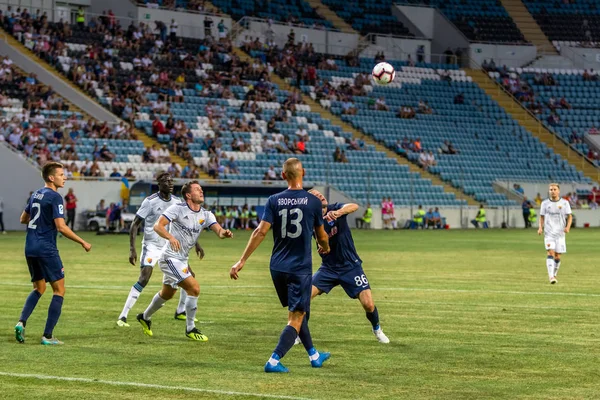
x: 44, y: 217
x: 342, y: 265
x: 293, y: 214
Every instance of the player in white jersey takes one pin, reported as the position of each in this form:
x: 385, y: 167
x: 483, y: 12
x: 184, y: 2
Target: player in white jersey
x: 186, y: 221
x: 152, y: 245
x: 555, y: 222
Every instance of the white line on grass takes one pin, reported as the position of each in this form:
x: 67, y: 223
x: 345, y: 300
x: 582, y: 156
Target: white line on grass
x: 148, y: 386
x: 378, y: 288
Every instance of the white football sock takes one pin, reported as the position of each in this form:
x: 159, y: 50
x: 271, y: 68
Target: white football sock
x: 556, y: 267
x: 181, y: 305
x: 130, y: 302
x: 550, y: 267
x: 191, y: 306
x: 155, y: 305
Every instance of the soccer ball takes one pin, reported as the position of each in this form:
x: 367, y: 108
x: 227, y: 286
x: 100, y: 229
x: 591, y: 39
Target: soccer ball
x: 383, y: 73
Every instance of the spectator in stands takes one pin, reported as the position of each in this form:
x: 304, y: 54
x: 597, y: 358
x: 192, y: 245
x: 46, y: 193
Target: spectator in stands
x: 564, y: 104
x: 157, y: 127
x: 301, y: 146
x: 380, y: 105
x: 232, y: 166
x: 554, y: 119
x: 406, y: 112
x: 129, y: 174
x: 270, y: 175
x: 517, y: 188
x: 115, y: 173
x: 105, y: 154
x: 459, y: 99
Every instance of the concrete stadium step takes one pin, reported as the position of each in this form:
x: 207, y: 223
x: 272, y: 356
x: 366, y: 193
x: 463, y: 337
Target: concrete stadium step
x: 533, y: 125
x: 528, y: 25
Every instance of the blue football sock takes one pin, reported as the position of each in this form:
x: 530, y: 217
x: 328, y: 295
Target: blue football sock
x: 286, y: 341
x: 304, y: 335
x: 29, y: 306
x: 373, y: 317
x: 53, y: 315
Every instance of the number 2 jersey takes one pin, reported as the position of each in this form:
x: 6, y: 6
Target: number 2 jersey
x: 151, y: 209
x: 293, y: 214
x: 44, y: 206
x: 342, y: 252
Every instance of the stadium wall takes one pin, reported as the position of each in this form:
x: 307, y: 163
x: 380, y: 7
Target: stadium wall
x: 511, y: 56
x: 19, y: 177
x: 583, y: 58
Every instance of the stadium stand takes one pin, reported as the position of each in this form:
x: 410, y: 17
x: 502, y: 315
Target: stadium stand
x: 224, y: 111
x: 425, y: 108
x: 564, y: 100
x: 297, y: 12
x: 574, y: 21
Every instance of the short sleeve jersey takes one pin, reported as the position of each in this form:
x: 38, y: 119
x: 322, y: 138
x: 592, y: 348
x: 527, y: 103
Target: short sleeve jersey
x: 342, y: 252
x: 44, y: 206
x: 555, y: 217
x: 186, y: 226
x: 293, y: 214
x: 151, y: 209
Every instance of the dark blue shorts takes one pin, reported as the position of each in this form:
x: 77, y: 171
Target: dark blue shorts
x: 293, y: 290
x: 48, y: 268
x: 352, y: 280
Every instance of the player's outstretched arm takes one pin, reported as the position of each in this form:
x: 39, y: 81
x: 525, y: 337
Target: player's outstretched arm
x: 221, y: 233
x: 541, y: 225
x: 346, y: 209
x: 69, y: 234
x: 133, y: 231
x: 322, y: 239
x: 24, y: 218
x: 160, y: 227
x: 258, y: 235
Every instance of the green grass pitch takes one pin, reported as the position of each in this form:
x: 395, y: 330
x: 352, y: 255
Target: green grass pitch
x: 470, y: 315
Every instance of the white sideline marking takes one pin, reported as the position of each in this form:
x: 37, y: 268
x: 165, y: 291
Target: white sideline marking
x: 148, y: 385
x: 376, y: 289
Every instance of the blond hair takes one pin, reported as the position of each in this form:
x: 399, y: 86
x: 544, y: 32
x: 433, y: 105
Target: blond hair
x: 292, y: 168
x: 554, y: 184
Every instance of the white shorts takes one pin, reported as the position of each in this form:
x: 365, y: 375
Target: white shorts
x: 150, y: 255
x: 559, y: 245
x: 174, y: 271
x: 386, y: 217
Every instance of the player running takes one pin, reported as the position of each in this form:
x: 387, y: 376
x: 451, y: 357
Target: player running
x: 555, y: 222
x: 152, y: 245
x: 186, y: 220
x: 44, y: 216
x: 293, y: 213
x: 342, y: 266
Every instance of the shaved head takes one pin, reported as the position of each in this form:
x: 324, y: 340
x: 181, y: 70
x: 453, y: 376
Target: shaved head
x: 292, y: 168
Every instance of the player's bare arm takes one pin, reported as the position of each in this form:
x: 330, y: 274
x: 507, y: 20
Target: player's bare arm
x: 199, y: 250
x: 569, y: 222
x: 258, y: 235
x: 541, y: 225
x: 221, y: 233
x: 322, y: 239
x: 24, y: 218
x: 62, y: 227
x: 133, y: 231
x: 348, y: 208
x: 161, y: 228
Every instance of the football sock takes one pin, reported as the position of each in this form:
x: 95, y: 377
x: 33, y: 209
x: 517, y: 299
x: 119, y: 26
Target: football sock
x: 29, y: 306
x: 286, y: 341
x: 550, y: 266
x: 556, y: 266
x: 191, y: 306
x: 53, y: 315
x: 156, y: 303
x: 305, y: 337
x: 181, y: 306
x: 134, y: 293
x: 373, y: 317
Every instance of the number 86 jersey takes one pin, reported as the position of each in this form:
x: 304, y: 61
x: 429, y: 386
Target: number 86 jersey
x: 44, y: 206
x: 293, y: 214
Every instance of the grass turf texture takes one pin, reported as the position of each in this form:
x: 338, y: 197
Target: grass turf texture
x: 470, y: 315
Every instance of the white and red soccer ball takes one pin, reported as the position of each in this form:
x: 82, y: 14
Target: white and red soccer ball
x: 383, y: 73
